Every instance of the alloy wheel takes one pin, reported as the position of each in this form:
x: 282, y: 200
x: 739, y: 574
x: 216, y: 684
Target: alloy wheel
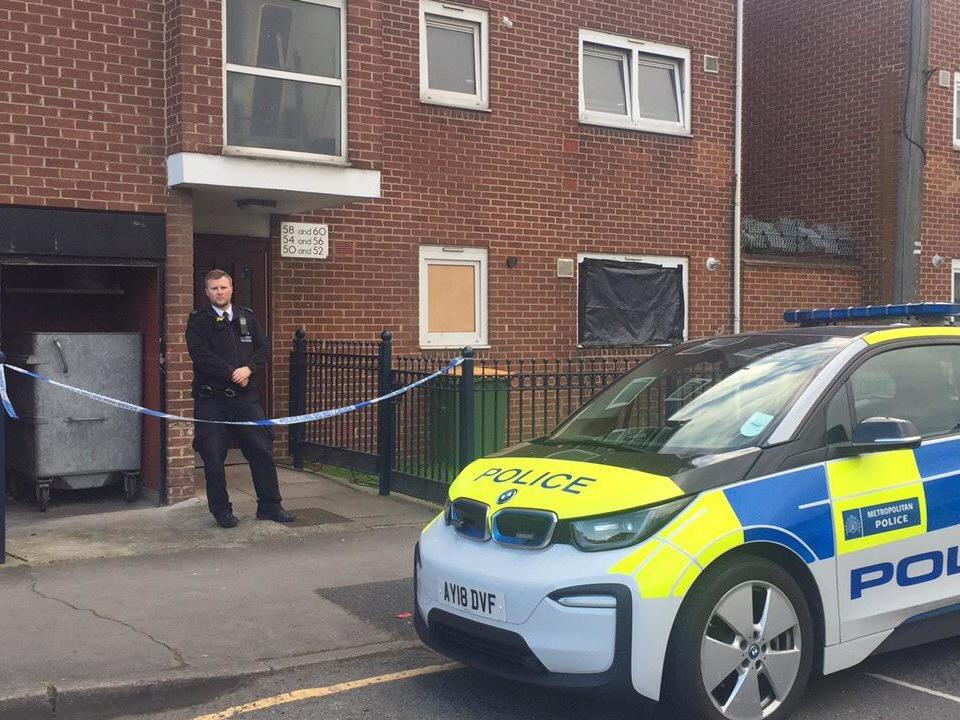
x: 750, y: 651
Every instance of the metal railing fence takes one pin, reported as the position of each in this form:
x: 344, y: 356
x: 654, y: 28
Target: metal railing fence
x: 419, y: 442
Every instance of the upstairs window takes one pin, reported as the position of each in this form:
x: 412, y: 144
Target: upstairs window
x: 454, y: 51
x: 634, y: 84
x: 285, y: 70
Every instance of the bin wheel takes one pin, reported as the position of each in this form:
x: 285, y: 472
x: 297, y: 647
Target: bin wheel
x: 131, y: 486
x: 43, y: 497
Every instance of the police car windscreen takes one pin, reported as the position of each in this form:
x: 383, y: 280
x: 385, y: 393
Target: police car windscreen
x: 716, y: 396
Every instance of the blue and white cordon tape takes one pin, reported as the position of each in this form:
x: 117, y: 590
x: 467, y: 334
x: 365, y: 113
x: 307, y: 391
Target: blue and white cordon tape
x: 293, y: 420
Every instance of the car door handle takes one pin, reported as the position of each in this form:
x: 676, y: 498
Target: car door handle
x: 63, y: 357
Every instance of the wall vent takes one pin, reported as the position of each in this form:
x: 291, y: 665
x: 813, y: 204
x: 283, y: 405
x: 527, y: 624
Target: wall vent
x: 711, y: 64
x: 565, y: 267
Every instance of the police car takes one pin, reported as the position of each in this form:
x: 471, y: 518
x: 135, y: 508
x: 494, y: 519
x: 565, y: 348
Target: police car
x: 727, y: 518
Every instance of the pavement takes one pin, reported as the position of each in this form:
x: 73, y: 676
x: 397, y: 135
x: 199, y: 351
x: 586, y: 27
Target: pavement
x: 117, y: 609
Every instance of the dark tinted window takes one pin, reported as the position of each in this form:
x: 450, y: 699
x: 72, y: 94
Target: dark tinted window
x: 838, y: 425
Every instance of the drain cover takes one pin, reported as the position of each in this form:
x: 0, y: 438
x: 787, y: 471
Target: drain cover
x: 307, y: 517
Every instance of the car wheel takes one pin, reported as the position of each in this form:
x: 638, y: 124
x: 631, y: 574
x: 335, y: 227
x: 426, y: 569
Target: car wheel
x: 742, y: 646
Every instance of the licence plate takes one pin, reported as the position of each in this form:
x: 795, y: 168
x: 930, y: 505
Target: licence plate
x: 483, y: 602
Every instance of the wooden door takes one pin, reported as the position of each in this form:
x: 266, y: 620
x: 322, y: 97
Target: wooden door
x: 246, y: 260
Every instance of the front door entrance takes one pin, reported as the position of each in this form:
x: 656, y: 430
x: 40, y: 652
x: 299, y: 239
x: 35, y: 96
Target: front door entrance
x: 246, y: 260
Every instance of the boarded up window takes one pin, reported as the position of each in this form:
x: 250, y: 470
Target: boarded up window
x: 629, y: 303
x: 452, y: 298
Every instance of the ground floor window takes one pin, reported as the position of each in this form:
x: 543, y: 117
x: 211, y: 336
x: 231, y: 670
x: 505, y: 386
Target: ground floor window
x: 955, y: 286
x: 453, y: 297
x: 627, y: 300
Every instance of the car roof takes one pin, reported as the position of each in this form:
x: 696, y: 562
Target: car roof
x: 897, y: 330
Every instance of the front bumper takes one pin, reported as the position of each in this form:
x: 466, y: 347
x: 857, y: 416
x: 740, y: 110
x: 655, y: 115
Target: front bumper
x: 539, y: 640
x: 507, y: 654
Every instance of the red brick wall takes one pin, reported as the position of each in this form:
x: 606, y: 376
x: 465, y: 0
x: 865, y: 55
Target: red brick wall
x: 194, y: 51
x: 941, y: 193
x: 821, y: 116
x: 771, y: 288
x: 524, y: 180
x: 81, y: 117
x: 179, y: 303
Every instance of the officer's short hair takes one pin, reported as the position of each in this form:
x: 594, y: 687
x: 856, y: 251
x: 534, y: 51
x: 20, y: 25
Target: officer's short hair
x: 216, y: 274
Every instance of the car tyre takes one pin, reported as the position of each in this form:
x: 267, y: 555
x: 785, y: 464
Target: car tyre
x: 745, y: 630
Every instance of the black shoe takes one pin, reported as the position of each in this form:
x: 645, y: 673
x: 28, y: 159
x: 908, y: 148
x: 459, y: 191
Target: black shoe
x: 277, y: 514
x: 226, y: 520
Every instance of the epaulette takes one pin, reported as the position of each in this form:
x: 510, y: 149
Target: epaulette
x: 243, y: 307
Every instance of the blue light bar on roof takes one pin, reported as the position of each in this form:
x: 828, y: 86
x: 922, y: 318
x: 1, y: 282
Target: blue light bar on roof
x: 871, y: 312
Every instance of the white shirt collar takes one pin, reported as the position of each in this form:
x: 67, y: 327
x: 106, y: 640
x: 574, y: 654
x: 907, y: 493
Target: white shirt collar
x: 228, y: 311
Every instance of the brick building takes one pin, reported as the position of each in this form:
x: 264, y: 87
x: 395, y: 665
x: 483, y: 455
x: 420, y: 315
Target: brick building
x: 459, y: 162
x: 832, y: 148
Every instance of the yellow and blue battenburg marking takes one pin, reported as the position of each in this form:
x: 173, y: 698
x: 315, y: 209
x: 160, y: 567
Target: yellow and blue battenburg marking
x: 818, y: 512
x: 788, y: 509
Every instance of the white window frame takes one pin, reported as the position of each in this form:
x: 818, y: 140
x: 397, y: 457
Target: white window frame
x: 661, y: 260
x: 458, y: 17
x: 955, y: 270
x: 439, y: 255
x: 956, y: 110
x: 639, y: 52
x: 341, y: 82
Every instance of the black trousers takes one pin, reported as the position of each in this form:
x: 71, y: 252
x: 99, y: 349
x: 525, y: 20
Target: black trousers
x: 256, y: 444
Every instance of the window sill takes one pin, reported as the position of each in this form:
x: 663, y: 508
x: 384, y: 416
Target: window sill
x: 454, y: 347
x: 632, y: 127
x: 484, y: 108
x: 287, y: 156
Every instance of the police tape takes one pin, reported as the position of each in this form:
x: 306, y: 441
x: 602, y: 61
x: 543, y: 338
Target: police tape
x: 291, y: 420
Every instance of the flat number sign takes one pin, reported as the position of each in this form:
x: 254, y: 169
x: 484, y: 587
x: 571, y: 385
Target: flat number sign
x: 304, y: 240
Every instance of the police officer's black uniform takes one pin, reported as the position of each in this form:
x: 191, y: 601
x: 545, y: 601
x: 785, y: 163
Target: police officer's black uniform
x: 219, y: 346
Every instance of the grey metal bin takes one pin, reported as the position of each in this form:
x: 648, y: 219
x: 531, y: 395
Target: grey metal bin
x: 65, y: 440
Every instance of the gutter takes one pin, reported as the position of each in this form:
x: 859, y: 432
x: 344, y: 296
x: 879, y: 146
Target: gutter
x: 913, y: 156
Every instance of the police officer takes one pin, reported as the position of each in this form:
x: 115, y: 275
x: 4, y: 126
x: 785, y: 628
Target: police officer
x: 229, y: 353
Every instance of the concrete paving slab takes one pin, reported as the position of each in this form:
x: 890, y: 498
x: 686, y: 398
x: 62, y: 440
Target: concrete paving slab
x: 144, y: 529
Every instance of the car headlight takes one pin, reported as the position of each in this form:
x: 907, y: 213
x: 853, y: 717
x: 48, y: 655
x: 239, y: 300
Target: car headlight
x: 619, y: 531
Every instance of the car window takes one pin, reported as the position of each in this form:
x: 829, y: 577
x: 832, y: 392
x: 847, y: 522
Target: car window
x: 918, y: 384
x: 838, y: 425
x: 705, y: 397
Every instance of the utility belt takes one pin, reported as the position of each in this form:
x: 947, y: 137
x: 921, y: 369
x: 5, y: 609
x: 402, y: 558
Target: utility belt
x: 205, y: 392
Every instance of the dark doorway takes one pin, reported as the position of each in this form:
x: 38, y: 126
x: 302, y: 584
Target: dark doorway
x: 86, y: 298
x: 246, y: 260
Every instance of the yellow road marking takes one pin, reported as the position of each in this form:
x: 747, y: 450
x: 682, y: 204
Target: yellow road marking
x: 309, y: 693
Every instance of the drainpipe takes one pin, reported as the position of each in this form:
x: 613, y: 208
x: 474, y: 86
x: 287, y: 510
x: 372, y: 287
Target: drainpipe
x: 913, y: 156
x: 738, y: 173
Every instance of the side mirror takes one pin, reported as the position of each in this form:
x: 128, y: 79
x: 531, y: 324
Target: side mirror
x: 878, y: 434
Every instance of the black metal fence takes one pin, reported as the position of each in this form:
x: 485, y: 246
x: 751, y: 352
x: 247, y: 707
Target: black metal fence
x: 418, y: 442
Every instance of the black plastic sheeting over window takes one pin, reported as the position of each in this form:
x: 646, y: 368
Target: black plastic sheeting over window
x: 629, y: 303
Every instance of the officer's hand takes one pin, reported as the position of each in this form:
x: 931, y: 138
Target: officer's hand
x: 244, y: 383
x: 241, y: 375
